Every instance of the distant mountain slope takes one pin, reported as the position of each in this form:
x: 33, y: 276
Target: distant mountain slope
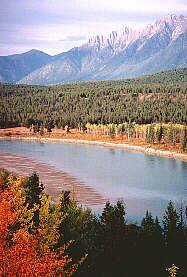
x: 171, y: 57
x: 15, y: 67
x: 123, y: 54
x: 176, y: 77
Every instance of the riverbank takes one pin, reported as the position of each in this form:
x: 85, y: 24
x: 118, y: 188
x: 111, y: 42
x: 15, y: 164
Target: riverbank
x: 21, y: 133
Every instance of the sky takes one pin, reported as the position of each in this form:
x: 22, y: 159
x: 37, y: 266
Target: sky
x: 55, y: 26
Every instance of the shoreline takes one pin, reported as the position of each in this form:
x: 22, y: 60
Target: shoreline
x: 125, y: 146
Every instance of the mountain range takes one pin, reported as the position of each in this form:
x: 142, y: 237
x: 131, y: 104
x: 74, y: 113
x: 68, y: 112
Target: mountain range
x: 127, y: 53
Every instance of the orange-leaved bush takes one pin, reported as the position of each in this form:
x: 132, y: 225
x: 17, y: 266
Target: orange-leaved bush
x: 20, y: 250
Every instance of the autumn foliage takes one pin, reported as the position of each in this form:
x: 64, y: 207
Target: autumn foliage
x: 36, y: 235
x: 22, y: 249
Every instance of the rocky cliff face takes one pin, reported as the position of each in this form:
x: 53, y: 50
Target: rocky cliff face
x: 127, y: 53
x: 171, y: 25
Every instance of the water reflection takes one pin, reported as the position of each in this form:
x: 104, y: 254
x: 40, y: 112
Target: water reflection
x: 112, y: 151
x: 150, y: 160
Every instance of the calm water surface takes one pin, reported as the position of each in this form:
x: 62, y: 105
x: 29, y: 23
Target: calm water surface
x: 142, y: 181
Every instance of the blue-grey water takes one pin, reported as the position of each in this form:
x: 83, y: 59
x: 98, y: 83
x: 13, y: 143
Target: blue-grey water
x: 142, y: 181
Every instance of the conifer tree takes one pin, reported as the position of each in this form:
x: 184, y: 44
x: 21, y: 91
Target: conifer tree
x: 159, y: 133
x: 170, y: 222
x: 183, y: 138
x: 33, y: 190
x: 170, y: 133
x: 148, y: 223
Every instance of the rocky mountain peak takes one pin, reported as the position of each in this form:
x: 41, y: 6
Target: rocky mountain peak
x: 172, y: 19
x: 116, y: 40
x: 121, y: 54
x: 170, y: 25
x: 173, y: 24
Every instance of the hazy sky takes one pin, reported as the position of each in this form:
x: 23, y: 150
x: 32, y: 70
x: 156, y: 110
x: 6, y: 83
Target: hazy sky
x: 54, y: 26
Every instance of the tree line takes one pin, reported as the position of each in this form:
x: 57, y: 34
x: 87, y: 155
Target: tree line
x: 36, y: 235
x: 151, y: 133
x: 143, y: 100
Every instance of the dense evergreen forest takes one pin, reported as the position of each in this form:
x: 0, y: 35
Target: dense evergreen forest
x: 36, y: 236
x: 160, y: 97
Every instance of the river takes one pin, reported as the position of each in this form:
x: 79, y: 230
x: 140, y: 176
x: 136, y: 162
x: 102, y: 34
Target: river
x: 143, y: 181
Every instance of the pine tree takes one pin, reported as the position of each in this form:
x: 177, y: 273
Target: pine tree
x: 113, y: 216
x: 170, y: 133
x: 170, y: 222
x: 159, y: 133
x: 33, y: 190
x: 147, y: 134
x: 174, y: 141
x: 150, y: 134
x: 183, y: 138
x: 147, y: 223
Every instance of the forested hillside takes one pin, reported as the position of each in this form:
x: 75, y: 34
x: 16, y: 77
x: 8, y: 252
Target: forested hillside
x: 160, y: 97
